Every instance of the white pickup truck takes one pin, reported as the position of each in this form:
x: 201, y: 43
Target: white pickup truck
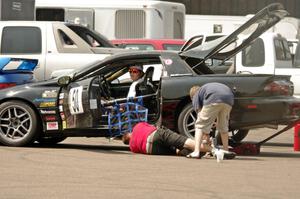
x: 56, y: 46
x: 270, y: 54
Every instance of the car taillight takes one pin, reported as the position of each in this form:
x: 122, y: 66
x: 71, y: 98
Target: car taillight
x: 295, y: 109
x: 280, y: 88
x: 6, y: 85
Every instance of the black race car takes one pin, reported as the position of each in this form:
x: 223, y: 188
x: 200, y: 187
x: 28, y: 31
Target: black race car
x: 75, y: 105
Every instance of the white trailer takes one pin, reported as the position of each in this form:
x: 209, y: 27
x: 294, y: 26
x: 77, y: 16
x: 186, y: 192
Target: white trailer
x: 118, y: 19
x: 211, y: 24
x: 289, y: 27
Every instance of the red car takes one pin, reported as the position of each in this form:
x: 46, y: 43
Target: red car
x: 149, y: 44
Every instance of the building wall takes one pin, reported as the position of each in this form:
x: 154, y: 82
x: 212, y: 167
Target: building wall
x: 236, y: 7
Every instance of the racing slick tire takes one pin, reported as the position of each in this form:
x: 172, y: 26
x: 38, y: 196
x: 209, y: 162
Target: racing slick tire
x: 186, y: 123
x: 18, y: 124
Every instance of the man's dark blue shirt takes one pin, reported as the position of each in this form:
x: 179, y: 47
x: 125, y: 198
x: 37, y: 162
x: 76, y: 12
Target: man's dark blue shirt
x: 212, y: 93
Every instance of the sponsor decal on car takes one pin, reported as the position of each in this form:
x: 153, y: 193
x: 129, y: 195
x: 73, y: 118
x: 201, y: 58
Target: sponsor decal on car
x: 50, y: 118
x: 49, y: 94
x: 44, y: 100
x: 47, y: 104
x: 47, y: 111
x: 168, y: 61
x: 61, y: 95
x: 75, y: 100
x: 61, y: 108
x: 64, y: 124
x: 52, y: 125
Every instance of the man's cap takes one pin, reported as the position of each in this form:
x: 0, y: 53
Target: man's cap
x: 138, y: 67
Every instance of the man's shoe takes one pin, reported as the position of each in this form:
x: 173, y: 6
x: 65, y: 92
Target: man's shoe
x: 195, y: 155
x: 228, y: 155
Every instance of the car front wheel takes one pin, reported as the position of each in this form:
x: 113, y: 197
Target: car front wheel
x: 18, y: 124
x: 186, y: 124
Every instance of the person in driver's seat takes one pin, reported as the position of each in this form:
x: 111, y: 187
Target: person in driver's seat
x: 136, y: 74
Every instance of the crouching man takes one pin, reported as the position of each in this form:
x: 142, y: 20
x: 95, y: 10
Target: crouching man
x: 148, y: 139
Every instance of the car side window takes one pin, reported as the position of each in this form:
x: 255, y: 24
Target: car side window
x: 66, y: 40
x: 125, y: 78
x: 254, y: 55
x: 282, y: 50
x: 21, y: 40
x: 92, y: 41
x: 157, y: 71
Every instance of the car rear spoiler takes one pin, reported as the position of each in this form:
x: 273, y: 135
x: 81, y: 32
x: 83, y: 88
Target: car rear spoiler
x: 9, y: 64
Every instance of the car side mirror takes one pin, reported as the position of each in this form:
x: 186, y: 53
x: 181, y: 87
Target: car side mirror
x: 64, y: 80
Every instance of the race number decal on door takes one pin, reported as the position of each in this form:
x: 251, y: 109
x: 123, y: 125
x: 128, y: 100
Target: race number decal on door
x: 75, y: 100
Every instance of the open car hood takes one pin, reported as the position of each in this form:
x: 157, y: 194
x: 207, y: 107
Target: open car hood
x: 223, y: 48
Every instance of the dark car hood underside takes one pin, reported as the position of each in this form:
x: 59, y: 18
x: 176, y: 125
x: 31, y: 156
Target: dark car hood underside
x: 250, y: 30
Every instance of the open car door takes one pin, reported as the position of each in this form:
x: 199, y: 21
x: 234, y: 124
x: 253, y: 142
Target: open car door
x: 89, y: 97
x: 80, y: 104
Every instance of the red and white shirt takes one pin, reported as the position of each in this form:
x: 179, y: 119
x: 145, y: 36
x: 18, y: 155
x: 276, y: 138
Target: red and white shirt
x: 140, y: 133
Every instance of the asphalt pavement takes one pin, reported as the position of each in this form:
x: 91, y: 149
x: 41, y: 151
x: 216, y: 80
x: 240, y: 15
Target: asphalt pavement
x: 97, y: 168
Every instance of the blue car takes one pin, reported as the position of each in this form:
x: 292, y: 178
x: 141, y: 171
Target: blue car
x: 16, y: 71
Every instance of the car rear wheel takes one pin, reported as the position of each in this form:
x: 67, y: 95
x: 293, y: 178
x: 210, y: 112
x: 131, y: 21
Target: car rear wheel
x: 186, y: 125
x: 18, y: 124
x: 186, y: 121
